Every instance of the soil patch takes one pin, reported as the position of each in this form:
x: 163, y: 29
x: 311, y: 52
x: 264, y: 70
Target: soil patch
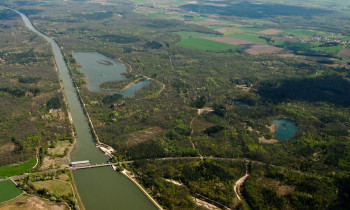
x: 261, y: 49
x: 7, y: 147
x: 224, y: 30
x: 345, y: 52
x: 31, y: 203
x: 49, y: 162
x: 271, y: 31
x: 145, y: 135
x: 263, y: 140
x: 251, y: 47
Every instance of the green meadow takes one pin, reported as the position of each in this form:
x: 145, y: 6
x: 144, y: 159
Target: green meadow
x: 246, y: 37
x: 7, y: 171
x: 8, y: 191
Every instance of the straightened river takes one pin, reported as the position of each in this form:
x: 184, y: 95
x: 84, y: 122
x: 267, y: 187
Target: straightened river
x: 99, y: 188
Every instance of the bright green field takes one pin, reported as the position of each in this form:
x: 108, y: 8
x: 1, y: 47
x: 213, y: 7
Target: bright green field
x: 8, y: 190
x: 7, y: 171
x: 329, y: 50
x: 204, y: 44
x: 246, y: 37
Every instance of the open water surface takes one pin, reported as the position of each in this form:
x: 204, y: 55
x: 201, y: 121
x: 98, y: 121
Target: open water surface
x: 285, y: 129
x: 98, y: 73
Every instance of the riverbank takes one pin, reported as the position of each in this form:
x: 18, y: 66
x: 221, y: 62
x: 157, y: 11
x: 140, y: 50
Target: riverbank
x: 128, y: 174
x: 76, y: 193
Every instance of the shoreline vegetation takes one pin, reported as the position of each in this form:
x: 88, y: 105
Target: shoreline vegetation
x: 119, y: 85
x: 128, y: 175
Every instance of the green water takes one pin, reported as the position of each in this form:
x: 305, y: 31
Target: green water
x: 97, y: 72
x: 285, y: 129
x: 99, y: 188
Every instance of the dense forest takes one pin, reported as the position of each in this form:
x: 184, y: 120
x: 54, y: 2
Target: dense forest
x: 29, y: 89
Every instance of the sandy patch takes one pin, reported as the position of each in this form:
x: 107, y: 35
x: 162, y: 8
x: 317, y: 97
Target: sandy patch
x: 271, y: 31
x: 31, y: 203
x: 205, y: 204
x: 263, y: 140
x: 345, y: 52
x: 224, y: 30
x: 244, y: 88
x: 174, y: 182
x: 205, y: 110
x: 49, y: 162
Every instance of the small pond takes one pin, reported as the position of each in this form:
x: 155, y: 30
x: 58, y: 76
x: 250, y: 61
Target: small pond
x: 285, y: 129
x: 100, y: 69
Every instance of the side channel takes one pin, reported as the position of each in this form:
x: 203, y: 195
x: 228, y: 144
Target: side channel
x: 99, y: 188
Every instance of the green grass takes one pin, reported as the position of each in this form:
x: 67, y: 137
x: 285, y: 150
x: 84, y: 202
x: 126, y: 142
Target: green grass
x: 204, y: 44
x: 7, y: 171
x: 8, y: 191
x: 252, y: 29
x: 191, y: 34
x: 246, y: 37
x: 329, y: 50
x: 55, y: 186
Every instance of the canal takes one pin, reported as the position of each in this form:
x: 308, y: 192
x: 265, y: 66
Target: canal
x: 99, y: 188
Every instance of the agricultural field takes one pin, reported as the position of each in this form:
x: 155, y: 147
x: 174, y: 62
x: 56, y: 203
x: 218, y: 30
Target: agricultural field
x: 258, y: 29
x: 7, y: 171
x: 8, y: 191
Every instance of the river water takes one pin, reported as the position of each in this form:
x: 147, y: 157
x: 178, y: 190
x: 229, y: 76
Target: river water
x: 99, y: 188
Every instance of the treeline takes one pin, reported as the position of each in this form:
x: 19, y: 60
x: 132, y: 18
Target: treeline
x: 269, y: 187
x: 212, y: 179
